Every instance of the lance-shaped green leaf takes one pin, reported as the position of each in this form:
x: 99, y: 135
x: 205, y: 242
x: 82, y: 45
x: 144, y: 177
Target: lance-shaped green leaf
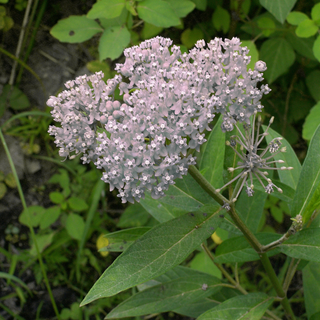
x: 121, y: 240
x: 167, y: 296
x: 289, y: 177
x: 213, y: 156
x: 158, y: 13
x: 250, y: 209
x: 107, y: 9
x: 311, y: 289
x: 237, y: 249
x: 156, y: 252
x: 303, y: 245
x: 184, y: 196
x: 307, y: 196
x: 195, y: 308
x: 251, y: 306
x: 287, y: 194
x: 75, y: 29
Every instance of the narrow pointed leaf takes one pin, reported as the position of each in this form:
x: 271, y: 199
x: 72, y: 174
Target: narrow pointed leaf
x: 311, y: 289
x: 121, y: 240
x: 195, y: 308
x: 156, y: 252
x: 307, y: 196
x: 213, y: 156
x: 237, y: 249
x: 250, y: 209
x: 288, y: 177
x: 167, y: 296
x: 184, y: 196
x: 303, y: 245
x: 251, y: 306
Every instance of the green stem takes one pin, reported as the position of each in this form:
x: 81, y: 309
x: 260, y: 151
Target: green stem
x: 24, y: 204
x: 277, y: 285
x: 206, y: 186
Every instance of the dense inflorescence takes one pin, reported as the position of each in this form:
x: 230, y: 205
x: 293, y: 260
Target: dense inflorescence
x: 169, y: 100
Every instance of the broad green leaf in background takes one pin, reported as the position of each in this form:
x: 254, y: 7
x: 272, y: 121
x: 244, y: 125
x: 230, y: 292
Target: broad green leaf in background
x: 190, y: 36
x: 117, y: 21
x: 56, y: 197
x: 200, y: 4
x: 32, y: 216
x: 149, y: 30
x: 253, y: 52
x: 203, y: 263
x: 312, y: 121
x: 156, y: 252
x: 303, y: 245
x: 302, y: 46
x: 279, y: 9
x: 75, y: 226
x: 43, y: 241
x: 96, y: 65
x: 307, y: 28
x: 295, y: 17
x: 50, y: 216
x: 251, y: 306
x: 133, y: 216
x: 107, y: 9
x: 267, y: 26
x: 181, y: 7
x: 14, y: 98
x: 77, y: 204
x: 278, y: 55
x: 316, y: 48
x: 75, y: 29
x: 313, y: 84
x: 250, y: 209
x: 167, y: 296
x: 212, y: 156
x: 113, y: 41
x: 288, y: 177
x: 221, y: 19
x: 158, y: 13
x: 315, y: 12
x: 311, y: 288
x: 307, y: 196
x: 237, y: 249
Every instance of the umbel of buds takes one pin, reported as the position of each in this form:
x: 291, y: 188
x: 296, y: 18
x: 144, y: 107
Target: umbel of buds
x: 254, y: 160
x: 168, y: 101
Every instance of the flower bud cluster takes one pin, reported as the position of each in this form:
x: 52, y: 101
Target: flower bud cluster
x: 169, y: 100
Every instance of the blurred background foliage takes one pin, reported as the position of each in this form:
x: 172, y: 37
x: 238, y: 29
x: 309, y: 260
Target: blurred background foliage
x: 70, y: 207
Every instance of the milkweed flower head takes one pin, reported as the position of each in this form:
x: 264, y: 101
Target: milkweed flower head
x: 169, y: 100
x: 254, y: 160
